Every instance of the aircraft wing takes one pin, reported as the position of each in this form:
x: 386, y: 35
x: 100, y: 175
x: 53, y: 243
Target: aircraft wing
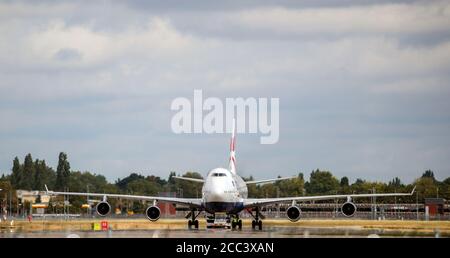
x: 192, y: 202
x: 269, y: 180
x: 197, y: 180
x: 249, y: 203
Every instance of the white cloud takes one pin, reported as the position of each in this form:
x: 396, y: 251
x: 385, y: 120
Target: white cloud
x: 387, y: 18
x: 97, y: 82
x: 157, y: 38
x: 11, y: 10
x: 44, y: 45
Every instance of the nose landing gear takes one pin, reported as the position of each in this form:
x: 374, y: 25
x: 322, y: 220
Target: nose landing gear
x: 236, y: 222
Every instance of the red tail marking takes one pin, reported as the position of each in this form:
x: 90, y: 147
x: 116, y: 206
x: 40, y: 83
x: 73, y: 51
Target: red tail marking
x: 232, y: 144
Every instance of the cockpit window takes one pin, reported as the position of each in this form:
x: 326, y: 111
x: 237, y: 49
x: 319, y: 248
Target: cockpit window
x: 219, y: 174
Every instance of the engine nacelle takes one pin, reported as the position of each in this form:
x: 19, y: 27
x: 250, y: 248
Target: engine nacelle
x: 153, y: 213
x: 293, y: 213
x: 348, y: 209
x: 103, y: 208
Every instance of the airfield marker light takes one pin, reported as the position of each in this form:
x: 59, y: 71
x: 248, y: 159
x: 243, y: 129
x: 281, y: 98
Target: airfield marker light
x: 104, y: 225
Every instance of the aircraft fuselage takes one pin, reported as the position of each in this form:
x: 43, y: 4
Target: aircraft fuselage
x: 223, y: 191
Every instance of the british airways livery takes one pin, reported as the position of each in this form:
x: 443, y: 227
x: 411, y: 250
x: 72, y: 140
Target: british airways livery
x: 224, y: 191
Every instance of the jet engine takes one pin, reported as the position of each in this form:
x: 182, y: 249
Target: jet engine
x: 348, y: 209
x: 293, y: 213
x: 103, y: 208
x: 153, y: 213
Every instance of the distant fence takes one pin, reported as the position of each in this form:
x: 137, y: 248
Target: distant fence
x: 309, y: 211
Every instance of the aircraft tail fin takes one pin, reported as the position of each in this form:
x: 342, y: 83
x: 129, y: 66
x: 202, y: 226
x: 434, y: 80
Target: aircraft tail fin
x: 232, y: 149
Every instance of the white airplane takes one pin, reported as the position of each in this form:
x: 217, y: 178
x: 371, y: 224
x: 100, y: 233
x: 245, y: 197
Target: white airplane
x: 224, y: 191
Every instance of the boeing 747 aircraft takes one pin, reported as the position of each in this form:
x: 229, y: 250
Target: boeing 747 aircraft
x: 224, y: 191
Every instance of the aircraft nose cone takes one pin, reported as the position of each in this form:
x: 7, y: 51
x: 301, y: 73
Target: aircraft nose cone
x: 216, y: 193
x: 214, y: 197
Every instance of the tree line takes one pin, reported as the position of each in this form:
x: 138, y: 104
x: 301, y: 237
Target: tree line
x: 33, y: 174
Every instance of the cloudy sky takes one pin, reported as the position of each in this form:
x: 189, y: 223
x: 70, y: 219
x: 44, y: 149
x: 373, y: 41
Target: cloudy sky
x: 364, y: 86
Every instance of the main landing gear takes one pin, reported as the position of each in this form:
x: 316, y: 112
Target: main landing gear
x: 193, y: 221
x: 236, y: 222
x: 257, y: 222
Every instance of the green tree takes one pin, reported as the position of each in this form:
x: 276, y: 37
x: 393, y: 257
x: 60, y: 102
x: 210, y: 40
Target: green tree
x: 171, y: 179
x: 362, y: 186
x: 171, y: 183
x: 89, y: 182
x: 6, y: 187
x: 38, y: 180
x: 86, y: 181
x: 123, y: 183
x: 16, y: 175
x: 322, y: 182
x: 139, y: 185
x: 359, y: 186
x: 43, y: 175
x: 27, y: 180
x: 396, y: 186
x: 291, y: 187
x: 426, y: 187
x: 62, y: 172
x: 429, y: 174
x: 48, y: 176
x: 396, y: 182
x: 268, y: 190
x: 143, y: 187
x: 344, y: 185
x: 445, y: 191
x: 253, y: 190
x: 344, y: 182
x: 190, y: 189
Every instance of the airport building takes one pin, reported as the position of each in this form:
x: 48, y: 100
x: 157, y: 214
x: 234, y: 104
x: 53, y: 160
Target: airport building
x: 434, y: 206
